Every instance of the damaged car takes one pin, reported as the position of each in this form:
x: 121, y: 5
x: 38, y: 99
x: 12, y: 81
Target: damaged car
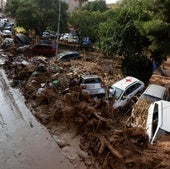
x: 124, y: 90
x: 68, y: 56
x: 93, y: 85
x: 158, y: 120
x: 22, y: 39
x: 47, y: 50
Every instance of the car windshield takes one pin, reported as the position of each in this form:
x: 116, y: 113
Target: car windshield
x: 92, y: 80
x: 116, y: 92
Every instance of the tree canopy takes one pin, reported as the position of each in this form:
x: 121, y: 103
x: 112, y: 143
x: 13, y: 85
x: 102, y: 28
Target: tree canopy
x: 42, y: 14
x: 97, y: 5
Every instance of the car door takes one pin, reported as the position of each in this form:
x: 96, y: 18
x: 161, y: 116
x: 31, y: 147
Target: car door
x: 130, y: 92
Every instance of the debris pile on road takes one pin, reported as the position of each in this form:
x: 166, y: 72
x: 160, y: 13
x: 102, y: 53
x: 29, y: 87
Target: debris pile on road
x: 139, y: 114
x: 52, y: 92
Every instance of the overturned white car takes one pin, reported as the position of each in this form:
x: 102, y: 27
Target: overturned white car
x: 158, y: 121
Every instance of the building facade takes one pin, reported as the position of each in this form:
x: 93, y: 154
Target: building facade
x: 72, y: 4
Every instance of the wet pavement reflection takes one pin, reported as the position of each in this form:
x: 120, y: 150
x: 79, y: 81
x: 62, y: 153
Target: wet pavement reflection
x: 24, y: 143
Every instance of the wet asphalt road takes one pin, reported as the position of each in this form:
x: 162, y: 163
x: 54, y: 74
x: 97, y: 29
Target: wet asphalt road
x: 24, y: 143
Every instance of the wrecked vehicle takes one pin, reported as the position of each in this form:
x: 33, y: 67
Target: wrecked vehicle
x: 93, y: 85
x: 158, y: 119
x: 68, y: 56
x: 124, y: 90
x: 48, y: 50
x: 49, y: 35
x: 155, y: 92
x: 152, y: 93
x: 6, y: 43
x: 22, y: 39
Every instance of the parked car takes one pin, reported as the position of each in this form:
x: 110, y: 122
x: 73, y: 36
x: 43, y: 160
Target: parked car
x: 49, y: 35
x: 68, y: 56
x: 47, y: 42
x: 73, y: 39
x: 8, y: 26
x: 48, y: 50
x: 7, y: 33
x: 158, y: 120
x: 93, y: 85
x: 85, y: 42
x: 4, y: 19
x: 66, y: 36
x: 124, y: 90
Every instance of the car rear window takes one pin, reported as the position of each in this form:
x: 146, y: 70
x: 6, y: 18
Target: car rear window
x: 92, y: 80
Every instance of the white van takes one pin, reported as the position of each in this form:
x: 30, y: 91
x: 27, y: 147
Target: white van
x: 158, y: 120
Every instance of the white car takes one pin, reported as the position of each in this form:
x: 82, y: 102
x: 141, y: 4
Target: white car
x: 92, y: 84
x: 158, y: 120
x: 73, y: 39
x: 124, y: 90
x: 66, y: 36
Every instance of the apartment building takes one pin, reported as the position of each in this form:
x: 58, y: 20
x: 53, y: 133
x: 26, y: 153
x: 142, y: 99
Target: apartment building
x: 75, y: 4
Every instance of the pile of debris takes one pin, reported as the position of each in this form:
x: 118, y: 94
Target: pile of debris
x: 139, y: 114
x: 53, y: 94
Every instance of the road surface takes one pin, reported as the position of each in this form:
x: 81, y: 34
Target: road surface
x: 24, y: 143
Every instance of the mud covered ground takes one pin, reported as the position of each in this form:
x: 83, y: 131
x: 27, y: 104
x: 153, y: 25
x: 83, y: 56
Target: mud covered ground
x: 89, y: 135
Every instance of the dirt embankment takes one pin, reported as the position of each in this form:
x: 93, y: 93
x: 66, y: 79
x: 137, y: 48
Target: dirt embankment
x: 55, y: 99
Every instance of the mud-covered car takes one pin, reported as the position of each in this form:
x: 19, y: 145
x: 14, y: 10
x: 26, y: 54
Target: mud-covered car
x: 152, y: 93
x: 47, y: 50
x: 93, y: 85
x: 68, y: 56
x: 155, y: 92
x: 124, y: 90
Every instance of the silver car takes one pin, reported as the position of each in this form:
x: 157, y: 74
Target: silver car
x: 155, y: 92
x: 93, y: 85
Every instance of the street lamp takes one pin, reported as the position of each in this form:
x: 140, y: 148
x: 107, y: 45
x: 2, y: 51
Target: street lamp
x: 58, y: 26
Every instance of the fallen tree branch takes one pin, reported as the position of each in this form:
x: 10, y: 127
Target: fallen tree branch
x: 105, y: 142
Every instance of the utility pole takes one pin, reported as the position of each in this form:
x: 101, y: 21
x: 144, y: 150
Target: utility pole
x: 58, y: 26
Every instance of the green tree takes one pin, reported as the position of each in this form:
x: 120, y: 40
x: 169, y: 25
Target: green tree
x: 86, y: 22
x: 97, y: 5
x: 12, y: 6
x: 157, y: 28
x: 42, y: 14
x: 119, y: 35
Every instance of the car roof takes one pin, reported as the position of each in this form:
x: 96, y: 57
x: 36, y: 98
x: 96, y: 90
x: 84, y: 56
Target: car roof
x: 60, y: 55
x: 89, y: 76
x: 155, y: 91
x: 125, y: 82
